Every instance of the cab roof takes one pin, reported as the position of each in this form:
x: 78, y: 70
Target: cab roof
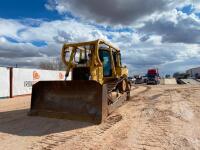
x: 98, y: 41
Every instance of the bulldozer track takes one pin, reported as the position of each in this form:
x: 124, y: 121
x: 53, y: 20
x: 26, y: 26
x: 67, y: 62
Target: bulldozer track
x: 111, y: 121
x: 156, y: 127
x: 157, y: 131
x: 51, y: 141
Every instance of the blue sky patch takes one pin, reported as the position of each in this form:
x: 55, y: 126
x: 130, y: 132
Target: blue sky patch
x: 110, y: 37
x: 19, y: 9
x: 198, y: 14
x: 39, y: 43
x: 10, y: 39
x: 187, y: 9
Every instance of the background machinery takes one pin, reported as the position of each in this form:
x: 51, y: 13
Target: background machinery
x: 153, y: 77
x: 99, y: 84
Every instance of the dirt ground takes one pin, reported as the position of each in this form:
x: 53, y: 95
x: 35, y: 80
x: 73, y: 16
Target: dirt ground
x: 156, y: 117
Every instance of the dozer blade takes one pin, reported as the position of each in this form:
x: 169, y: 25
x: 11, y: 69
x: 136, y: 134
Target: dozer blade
x: 74, y: 100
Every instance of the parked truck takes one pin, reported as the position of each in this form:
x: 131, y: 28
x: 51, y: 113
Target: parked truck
x: 153, y: 77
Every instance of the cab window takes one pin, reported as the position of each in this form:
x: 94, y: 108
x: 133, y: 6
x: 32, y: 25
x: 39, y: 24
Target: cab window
x: 106, y: 60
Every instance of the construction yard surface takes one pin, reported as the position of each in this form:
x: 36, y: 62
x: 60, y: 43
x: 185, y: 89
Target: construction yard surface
x: 156, y: 117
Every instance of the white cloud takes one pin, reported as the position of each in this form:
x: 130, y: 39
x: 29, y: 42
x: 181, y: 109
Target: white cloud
x: 10, y: 27
x: 174, y: 27
x: 62, y: 31
x: 158, y: 37
x: 124, y: 12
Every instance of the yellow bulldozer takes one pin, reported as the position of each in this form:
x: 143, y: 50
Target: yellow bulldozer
x: 99, y: 84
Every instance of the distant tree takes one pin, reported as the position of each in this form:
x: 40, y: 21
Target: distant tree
x: 176, y: 74
x: 197, y: 76
x: 167, y: 76
x: 53, y: 64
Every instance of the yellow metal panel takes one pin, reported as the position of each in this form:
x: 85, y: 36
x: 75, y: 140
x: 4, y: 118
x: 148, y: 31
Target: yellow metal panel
x: 97, y: 74
x: 122, y: 71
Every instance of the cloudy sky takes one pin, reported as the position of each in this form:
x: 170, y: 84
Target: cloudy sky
x: 151, y: 33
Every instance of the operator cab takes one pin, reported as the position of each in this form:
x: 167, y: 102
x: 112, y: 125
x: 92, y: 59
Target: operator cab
x: 81, y: 58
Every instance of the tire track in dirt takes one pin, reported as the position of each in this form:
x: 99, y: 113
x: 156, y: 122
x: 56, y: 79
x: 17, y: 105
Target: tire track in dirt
x: 95, y: 137
x: 139, y: 90
x: 160, y: 126
x: 156, y: 117
x: 111, y: 121
x: 52, y: 141
x: 107, y: 127
x: 155, y: 125
x: 117, y: 117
